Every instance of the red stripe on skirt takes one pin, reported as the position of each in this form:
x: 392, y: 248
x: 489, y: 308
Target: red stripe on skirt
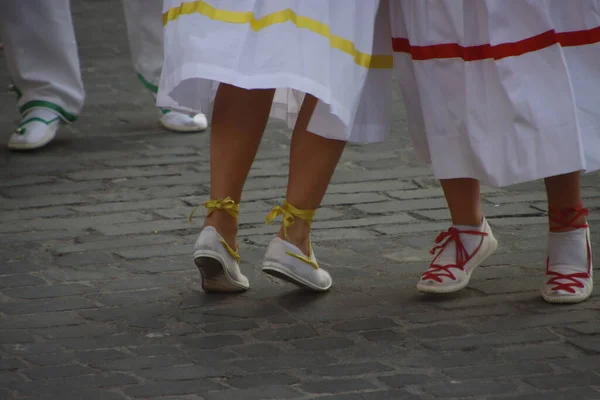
x: 499, y: 51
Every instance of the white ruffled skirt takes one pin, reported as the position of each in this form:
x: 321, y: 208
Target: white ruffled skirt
x: 504, y: 91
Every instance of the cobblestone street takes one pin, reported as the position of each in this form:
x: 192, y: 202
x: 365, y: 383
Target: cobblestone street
x: 100, y: 299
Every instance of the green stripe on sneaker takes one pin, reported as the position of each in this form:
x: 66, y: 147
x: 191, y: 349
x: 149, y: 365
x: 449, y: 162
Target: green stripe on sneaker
x: 46, y: 104
x: 148, y: 85
x: 25, y: 122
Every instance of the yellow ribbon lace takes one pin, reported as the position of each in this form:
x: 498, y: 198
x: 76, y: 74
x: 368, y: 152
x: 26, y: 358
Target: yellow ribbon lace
x: 226, y: 205
x: 290, y: 214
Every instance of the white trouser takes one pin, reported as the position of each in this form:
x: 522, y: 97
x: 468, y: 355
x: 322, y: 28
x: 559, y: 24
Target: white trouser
x: 145, y: 31
x: 41, y: 55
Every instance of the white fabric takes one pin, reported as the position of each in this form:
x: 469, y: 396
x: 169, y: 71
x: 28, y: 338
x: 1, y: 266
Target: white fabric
x: 41, y: 53
x: 145, y: 33
x: 200, y: 48
x: 503, y: 121
x: 508, y: 120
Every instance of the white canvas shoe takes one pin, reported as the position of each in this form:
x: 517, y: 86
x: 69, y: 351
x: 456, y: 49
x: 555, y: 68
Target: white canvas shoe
x: 37, y: 128
x: 452, y: 267
x: 286, y: 261
x: 217, y: 262
x: 569, y: 270
x: 180, y: 122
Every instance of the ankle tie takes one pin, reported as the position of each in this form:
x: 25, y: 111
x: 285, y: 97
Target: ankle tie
x: 290, y: 214
x: 230, y: 207
x: 226, y: 205
x: 566, y: 217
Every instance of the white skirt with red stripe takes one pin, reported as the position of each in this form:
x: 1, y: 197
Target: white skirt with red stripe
x: 504, y: 91
x: 324, y: 48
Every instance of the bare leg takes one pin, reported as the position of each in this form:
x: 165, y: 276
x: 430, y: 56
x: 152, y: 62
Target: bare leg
x: 312, y: 163
x: 564, y: 192
x: 462, y: 196
x: 239, y: 120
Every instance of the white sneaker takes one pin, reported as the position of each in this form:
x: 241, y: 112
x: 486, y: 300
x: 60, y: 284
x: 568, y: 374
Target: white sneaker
x: 568, y: 283
x: 285, y: 261
x: 452, y: 267
x: 37, y: 129
x: 180, y: 122
x: 218, y: 263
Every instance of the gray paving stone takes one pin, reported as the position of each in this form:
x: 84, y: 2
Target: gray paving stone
x: 438, y: 331
x: 261, y: 380
x: 471, y: 389
x: 365, y: 324
x: 589, y: 344
x: 42, y: 320
x: 140, y: 362
x: 19, y: 267
x: 57, y: 372
x: 370, y: 186
x: 13, y: 336
x: 274, y: 363
x: 579, y: 393
x: 53, y: 305
x: 50, y: 189
x: 266, y: 393
x: 500, y: 370
x: 491, y: 339
x: 401, y: 380
x: 40, y: 292
x: 338, y: 386
x: 554, y: 381
x: 20, y: 281
x: 11, y: 364
x: 183, y: 373
x: 116, y: 173
x: 29, y: 214
x: 87, y: 395
x: 122, y: 206
x: 144, y: 227
x: 112, y: 244
x: 214, y: 341
x: 86, y: 258
x: 324, y: 343
x: 165, y: 250
x: 399, y: 206
x: 61, y: 385
x: 352, y: 198
x: 538, y: 352
x: 285, y: 334
x: 172, y: 388
x: 359, y: 222
x: 341, y: 370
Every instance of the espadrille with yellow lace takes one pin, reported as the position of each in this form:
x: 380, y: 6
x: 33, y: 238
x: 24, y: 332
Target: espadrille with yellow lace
x: 215, y: 259
x: 286, y: 261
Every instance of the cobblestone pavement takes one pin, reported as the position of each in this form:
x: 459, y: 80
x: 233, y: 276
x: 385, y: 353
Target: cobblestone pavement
x: 100, y: 300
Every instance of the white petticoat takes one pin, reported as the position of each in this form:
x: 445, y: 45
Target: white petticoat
x: 307, y: 46
x: 504, y: 91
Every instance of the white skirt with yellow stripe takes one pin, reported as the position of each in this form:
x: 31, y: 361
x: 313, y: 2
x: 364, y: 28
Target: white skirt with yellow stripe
x: 324, y: 48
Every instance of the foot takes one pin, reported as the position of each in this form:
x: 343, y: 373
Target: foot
x: 285, y: 261
x: 218, y: 263
x: 462, y: 250
x: 569, y: 270
x: 180, y: 122
x: 37, y: 128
